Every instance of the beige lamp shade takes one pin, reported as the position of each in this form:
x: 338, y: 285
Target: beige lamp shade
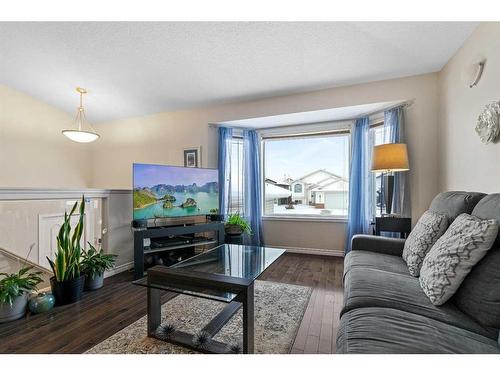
x: 390, y: 157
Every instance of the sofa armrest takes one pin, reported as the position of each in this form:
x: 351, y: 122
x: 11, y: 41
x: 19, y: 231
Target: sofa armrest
x: 383, y: 245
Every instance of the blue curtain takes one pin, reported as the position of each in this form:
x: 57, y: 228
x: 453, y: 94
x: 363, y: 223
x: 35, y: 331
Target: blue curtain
x: 224, y: 164
x: 394, y: 132
x: 252, y: 193
x: 361, y: 200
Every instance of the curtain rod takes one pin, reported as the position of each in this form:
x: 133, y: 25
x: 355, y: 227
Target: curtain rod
x: 404, y: 104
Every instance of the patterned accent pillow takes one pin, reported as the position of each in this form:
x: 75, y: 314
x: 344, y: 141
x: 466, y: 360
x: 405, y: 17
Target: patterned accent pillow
x: 427, y: 231
x: 452, y: 257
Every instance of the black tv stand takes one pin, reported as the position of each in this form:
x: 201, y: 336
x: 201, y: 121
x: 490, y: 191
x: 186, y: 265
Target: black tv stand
x: 179, y: 239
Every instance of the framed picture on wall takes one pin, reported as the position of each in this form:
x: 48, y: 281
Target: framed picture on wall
x: 192, y: 157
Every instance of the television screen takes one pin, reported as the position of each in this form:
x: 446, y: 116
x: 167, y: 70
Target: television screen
x: 162, y: 191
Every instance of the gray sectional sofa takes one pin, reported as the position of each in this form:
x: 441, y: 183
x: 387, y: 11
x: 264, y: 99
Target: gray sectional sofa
x: 386, y: 311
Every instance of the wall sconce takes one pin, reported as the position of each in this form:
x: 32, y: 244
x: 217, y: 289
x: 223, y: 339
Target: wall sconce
x: 473, y: 72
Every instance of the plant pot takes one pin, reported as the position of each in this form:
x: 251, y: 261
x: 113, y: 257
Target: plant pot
x: 14, y: 312
x: 93, y: 283
x: 215, y: 217
x: 68, y: 291
x: 233, y: 230
x: 41, y: 302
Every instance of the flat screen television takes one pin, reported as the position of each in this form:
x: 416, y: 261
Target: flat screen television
x: 164, y: 191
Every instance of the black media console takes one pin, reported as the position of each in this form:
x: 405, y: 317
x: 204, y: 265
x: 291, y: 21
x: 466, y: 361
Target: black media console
x: 169, y: 245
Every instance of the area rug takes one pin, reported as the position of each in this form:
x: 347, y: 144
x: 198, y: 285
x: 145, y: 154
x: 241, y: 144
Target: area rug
x: 279, y: 309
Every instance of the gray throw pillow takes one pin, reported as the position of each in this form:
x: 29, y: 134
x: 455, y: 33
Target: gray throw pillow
x: 452, y: 257
x: 424, y: 235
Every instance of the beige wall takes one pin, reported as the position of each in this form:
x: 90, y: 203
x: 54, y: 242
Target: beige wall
x: 160, y: 138
x: 465, y: 162
x: 33, y: 153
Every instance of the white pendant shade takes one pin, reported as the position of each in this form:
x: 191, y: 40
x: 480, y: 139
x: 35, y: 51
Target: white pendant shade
x: 80, y: 136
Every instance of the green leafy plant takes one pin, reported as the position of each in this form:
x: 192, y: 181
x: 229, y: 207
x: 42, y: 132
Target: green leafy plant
x: 16, y: 284
x: 67, y: 263
x: 95, y: 262
x: 236, y: 219
x: 214, y: 210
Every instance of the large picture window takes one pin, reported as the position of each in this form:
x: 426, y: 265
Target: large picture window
x: 307, y: 175
x: 236, y: 204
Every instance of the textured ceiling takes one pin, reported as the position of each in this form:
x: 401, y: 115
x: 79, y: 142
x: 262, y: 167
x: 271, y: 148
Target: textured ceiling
x: 139, y: 68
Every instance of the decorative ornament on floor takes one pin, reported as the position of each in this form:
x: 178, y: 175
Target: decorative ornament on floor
x: 164, y: 331
x: 41, y: 302
x: 79, y: 134
x: 234, y: 348
x: 201, y: 339
x: 488, y: 123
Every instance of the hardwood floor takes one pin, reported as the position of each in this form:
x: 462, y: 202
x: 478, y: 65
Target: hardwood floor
x: 318, y: 329
x: 78, y: 327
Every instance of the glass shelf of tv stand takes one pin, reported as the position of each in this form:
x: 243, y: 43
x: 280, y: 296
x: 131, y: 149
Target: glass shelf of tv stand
x: 183, y: 246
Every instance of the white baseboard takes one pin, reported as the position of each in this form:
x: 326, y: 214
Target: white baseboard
x: 302, y: 250
x: 119, y: 269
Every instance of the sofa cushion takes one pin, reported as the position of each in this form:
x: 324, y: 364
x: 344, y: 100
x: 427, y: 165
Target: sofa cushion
x: 364, y: 287
x: 378, y: 244
x: 454, y: 203
x: 489, y: 208
x: 424, y: 235
x: 451, y: 259
x: 479, y: 294
x: 368, y: 259
x: 383, y: 330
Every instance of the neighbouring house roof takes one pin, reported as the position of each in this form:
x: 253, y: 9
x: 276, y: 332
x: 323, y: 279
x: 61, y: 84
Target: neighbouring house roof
x: 323, y: 180
x: 274, y: 191
x: 317, y: 175
x: 331, y: 186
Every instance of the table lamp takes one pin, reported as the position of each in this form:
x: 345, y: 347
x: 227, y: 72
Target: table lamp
x: 389, y: 158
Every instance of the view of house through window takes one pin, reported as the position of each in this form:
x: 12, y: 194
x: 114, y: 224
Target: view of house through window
x: 236, y: 180
x: 307, y: 175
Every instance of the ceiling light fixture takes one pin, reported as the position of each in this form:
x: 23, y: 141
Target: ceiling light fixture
x: 80, y: 135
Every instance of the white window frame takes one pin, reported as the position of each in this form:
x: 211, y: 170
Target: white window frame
x: 340, y: 127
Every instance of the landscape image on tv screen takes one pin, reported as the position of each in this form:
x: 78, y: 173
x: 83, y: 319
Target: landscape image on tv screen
x: 162, y: 191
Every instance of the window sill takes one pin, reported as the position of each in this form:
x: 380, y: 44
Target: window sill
x: 334, y: 219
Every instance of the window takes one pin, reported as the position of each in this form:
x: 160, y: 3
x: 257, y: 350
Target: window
x: 236, y: 204
x: 307, y: 175
x: 377, y: 138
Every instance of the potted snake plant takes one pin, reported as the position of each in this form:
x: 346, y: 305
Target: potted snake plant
x: 237, y: 225
x: 94, y: 263
x: 14, y: 291
x: 68, y: 280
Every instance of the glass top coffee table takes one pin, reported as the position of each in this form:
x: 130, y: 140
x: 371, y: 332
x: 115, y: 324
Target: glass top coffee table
x: 225, y: 273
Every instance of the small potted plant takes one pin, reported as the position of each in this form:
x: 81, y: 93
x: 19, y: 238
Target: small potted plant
x: 68, y: 280
x: 94, y: 263
x: 236, y: 225
x: 14, y: 291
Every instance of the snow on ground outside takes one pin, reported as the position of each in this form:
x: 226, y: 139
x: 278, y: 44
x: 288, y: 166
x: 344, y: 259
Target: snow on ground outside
x: 304, y: 209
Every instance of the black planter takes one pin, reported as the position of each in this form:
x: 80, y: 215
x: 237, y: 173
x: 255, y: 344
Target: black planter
x: 68, y: 291
x: 94, y: 283
x: 215, y: 217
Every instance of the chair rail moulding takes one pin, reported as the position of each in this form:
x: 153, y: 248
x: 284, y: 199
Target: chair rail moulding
x: 51, y: 193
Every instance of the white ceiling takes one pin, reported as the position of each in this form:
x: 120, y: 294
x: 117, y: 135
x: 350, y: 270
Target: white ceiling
x: 133, y: 69
x: 309, y: 117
